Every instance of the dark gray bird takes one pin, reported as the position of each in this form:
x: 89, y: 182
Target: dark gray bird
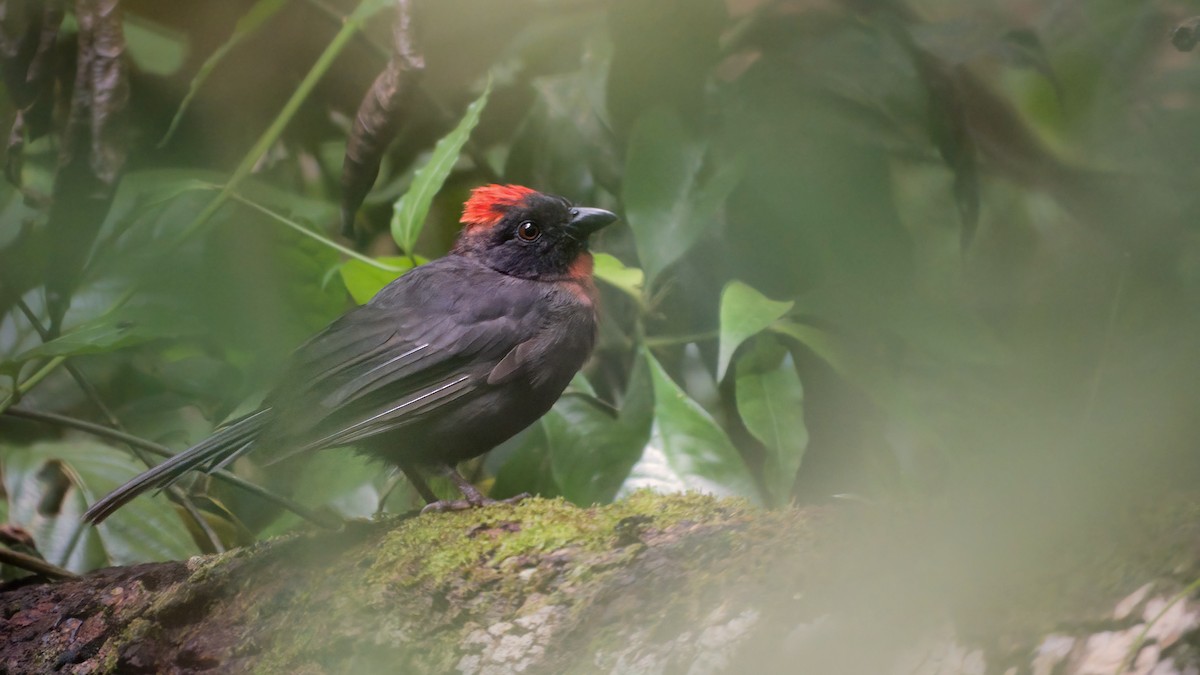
x: 443, y: 364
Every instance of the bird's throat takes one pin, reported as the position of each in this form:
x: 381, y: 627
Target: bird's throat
x: 581, y: 269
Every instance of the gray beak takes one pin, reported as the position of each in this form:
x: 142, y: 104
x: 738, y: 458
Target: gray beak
x: 585, y: 221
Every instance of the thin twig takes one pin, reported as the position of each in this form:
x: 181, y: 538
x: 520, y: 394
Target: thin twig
x: 165, y: 452
x: 34, y: 564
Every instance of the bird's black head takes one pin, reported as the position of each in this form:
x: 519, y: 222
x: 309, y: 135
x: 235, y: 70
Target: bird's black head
x: 524, y: 233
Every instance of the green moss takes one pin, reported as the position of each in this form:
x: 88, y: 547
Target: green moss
x: 438, y: 546
x: 445, y: 560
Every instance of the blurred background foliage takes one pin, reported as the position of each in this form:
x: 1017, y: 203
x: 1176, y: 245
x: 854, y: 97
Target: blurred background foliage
x: 941, y: 253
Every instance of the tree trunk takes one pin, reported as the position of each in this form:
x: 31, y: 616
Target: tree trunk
x: 650, y: 584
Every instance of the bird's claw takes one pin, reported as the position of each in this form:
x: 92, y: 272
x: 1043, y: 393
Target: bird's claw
x: 444, y: 505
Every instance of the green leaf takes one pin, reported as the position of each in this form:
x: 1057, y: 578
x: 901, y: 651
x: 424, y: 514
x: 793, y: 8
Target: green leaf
x: 614, y: 272
x: 770, y: 399
x: 687, y: 449
x: 154, y: 48
x: 667, y: 204
x: 146, y: 529
x: 528, y: 468
x: 128, y: 326
x: 246, y: 26
x: 581, y: 450
x: 744, y: 312
x: 410, y: 211
x: 364, y: 281
x: 591, y: 451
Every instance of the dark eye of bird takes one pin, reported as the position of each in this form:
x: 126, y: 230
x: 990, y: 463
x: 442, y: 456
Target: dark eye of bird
x: 528, y: 231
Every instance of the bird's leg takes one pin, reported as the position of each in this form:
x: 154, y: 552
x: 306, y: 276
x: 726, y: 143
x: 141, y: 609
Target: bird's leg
x: 468, y: 489
x: 474, y: 498
x: 418, y: 482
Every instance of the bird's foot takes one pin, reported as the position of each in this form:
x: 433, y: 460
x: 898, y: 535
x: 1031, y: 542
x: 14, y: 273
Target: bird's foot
x: 444, y: 505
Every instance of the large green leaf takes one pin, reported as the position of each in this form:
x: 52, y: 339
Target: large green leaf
x: 528, y: 468
x: 744, y: 313
x: 667, y: 204
x: 146, y: 529
x: 770, y: 400
x: 364, y: 281
x: 591, y: 450
x: 687, y: 450
x: 409, y: 212
x: 580, y: 450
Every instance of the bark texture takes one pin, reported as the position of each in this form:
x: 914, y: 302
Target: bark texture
x: 650, y: 584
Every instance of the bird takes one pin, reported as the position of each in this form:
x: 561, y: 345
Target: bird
x: 443, y: 364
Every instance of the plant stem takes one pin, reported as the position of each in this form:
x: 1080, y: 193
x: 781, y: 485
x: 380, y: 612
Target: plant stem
x: 31, y: 382
x: 349, y: 252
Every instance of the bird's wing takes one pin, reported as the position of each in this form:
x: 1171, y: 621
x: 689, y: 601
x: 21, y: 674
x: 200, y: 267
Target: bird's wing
x: 427, y: 340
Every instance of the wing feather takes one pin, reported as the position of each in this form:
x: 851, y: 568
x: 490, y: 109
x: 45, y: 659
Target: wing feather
x: 424, y: 342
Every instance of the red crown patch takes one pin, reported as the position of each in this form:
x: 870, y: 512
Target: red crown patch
x: 489, y: 202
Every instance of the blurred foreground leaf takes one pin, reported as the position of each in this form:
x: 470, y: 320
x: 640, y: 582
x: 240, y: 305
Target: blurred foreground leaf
x: 821, y: 342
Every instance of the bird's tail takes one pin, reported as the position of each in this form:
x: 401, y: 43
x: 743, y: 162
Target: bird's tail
x: 208, y: 455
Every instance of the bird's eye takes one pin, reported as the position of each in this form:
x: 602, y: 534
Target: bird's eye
x: 528, y: 231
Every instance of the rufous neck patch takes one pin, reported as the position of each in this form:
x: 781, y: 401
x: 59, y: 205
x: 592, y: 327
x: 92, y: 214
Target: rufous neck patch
x: 488, y: 203
x: 581, y: 267
x: 579, y: 279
